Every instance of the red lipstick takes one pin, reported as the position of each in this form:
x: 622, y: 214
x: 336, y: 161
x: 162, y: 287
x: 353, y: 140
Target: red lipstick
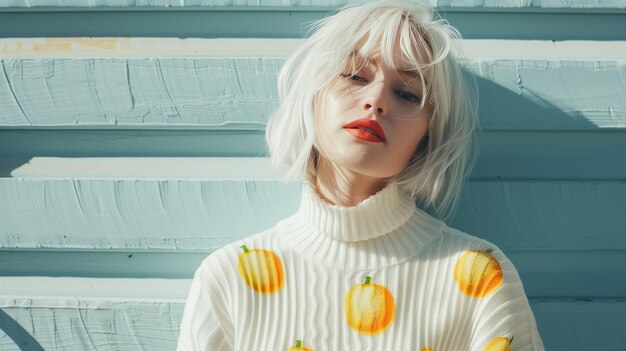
x: 366, y: 129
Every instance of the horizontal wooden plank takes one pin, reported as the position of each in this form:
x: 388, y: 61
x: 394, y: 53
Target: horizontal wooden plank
x: 558, y: 155
x: 215, y: 168
x: 560, y: 273
x: 504, y: 155
x: 310, y: 3
x: 550, y: 94
x: 113, y: 93
x: 556, y: 273
x: 201, y: 214
x: 123, y: 47
x: 240, y: 92
x: 18, y: 146
x: 558, y: 23
x: 135, y: 214
x: 591, y: 324
x: 576, y: 215
x: 72, y: 313
x: 55, y: 322
x: 88, y: 293
x: 123, y: 327
x: 167, y: 264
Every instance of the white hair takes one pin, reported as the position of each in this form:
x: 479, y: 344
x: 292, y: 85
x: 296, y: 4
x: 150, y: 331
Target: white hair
x: 445, y: 156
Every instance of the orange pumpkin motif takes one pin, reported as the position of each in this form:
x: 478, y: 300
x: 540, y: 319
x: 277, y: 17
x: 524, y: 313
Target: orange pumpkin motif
x: 299, y: 347
x: 478, y: 273
x: 427, y: 349
x: 370, y: 308
x: 262, y: 270
x: 499, y: 344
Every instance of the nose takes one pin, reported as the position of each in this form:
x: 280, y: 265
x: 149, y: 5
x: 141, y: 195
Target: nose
x: 375, y: 99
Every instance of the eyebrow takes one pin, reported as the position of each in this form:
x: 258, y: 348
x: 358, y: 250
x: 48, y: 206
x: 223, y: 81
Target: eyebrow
x: 410, y: 73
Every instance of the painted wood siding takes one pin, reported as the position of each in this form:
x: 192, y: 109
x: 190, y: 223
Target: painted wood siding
x: 125, y: 159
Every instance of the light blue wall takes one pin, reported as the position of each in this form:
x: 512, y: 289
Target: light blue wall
x: 549, y: 187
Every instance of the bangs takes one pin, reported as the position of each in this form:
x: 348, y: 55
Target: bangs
x: 411, y: 39
x: 401, y: 47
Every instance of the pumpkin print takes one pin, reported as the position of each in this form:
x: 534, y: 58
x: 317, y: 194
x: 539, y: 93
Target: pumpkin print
x: 370, y: 308
x: 499, y: 344
x: 299, y: 347
x: 478, y: 273
x: 262, y: 270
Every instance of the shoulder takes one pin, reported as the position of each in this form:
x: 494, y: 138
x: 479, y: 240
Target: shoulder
x: 479, y: 254
x: 466, y: 240
x: 448, y: 239
x: 456, y: 246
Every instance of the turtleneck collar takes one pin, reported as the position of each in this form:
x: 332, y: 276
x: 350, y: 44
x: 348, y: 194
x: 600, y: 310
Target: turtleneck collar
x: 381, y: 231
x: 377, y: 215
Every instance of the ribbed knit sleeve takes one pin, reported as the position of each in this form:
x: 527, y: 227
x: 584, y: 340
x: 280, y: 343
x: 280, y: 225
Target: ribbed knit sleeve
x: 201, y: 328
x: 504, y: 318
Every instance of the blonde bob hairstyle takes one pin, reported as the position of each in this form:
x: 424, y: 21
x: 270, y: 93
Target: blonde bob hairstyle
x: 443, y: 159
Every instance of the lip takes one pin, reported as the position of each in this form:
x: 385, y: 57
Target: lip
x: 365, y: 135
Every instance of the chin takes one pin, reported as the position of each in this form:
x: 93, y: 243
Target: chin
x: 370, y: 169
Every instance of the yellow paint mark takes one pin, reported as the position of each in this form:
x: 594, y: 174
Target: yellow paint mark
x: 65, y: 45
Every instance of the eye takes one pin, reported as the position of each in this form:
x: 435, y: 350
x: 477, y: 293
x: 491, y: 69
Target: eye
x: 407, y: 95
x: 352, y: 76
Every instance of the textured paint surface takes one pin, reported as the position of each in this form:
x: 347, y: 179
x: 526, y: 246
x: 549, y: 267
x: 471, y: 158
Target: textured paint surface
x: 90, y: 314
x: 585, y: 324
x: 297, y: 3
x: 201, y: 215
x: 125, y: 326
x: 137, y: 92
x: 88, y: 293
x: 145, y: 47
x: 545, y: 215
x: 21, y: 145
x: 551, y: 94
x: 138, y: 214
x: 162, y: 168
x: 241, y: 93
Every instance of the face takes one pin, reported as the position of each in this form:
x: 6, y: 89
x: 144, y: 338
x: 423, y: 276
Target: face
x: 369, y: 121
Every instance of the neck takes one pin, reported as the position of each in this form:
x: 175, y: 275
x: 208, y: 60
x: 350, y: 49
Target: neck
x: 343, y: 187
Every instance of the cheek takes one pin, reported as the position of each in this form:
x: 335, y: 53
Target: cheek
x: 413, y: 134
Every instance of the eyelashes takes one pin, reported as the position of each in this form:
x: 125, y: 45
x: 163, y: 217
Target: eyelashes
x: 351, y: 76
x: 404, y: 94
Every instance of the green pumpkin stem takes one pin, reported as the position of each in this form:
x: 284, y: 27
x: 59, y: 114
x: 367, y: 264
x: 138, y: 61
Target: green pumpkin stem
x: 245, y: 249
x: 368, y: 280
x: 298, y: 343
x: 511, y: 341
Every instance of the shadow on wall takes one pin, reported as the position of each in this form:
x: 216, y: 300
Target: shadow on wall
x: 18, y: 334
x: 501, y: 108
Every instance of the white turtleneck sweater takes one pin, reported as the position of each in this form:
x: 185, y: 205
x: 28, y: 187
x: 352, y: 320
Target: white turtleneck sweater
x: 381, y: 275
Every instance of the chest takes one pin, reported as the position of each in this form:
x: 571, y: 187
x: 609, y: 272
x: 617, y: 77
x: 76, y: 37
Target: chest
x: 397, y: 309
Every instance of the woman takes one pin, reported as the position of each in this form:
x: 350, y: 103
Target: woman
x: 375, y: 114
